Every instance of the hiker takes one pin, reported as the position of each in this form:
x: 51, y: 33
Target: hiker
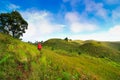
x: 39, y: 46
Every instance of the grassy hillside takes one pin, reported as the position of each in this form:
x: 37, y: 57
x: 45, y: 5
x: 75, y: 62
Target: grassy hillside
x: 115, y: 45
x: 59, y: 44
x: 101, y: 49
x: 22, y: 61
x: 91, y: 47
x: 15, y: 58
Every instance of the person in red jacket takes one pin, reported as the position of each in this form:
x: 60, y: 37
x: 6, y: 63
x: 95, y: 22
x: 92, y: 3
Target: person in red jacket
x: 39, y: 46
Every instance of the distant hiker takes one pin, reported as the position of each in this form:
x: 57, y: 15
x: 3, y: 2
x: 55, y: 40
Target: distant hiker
x: 39, y: 46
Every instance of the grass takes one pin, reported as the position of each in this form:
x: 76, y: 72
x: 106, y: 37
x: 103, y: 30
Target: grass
x: 99, y: 49
x: 84, y: 66
x: 91, y: 47
x: 22, y: 61
x: 56, y: 44
x: 15, y: 57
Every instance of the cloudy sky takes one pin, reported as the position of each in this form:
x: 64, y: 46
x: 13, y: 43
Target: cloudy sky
x: 75, y: 19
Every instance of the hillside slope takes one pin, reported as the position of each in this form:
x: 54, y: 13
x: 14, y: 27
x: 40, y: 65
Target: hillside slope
x: 15, y: 58
x: 22, y: 61
x: 101, y: 49
x: 91, y: 47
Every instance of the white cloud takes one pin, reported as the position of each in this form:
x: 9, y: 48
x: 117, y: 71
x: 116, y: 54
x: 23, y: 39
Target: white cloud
x: 115, y: 30
x: 13, y: 6
x: 40, y: 25
x: 96, y: 8
x: 80, y: 27
x: 77, y: 24
x: 111, y: 35
x: 72, y: 16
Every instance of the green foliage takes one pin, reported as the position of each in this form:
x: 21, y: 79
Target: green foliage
x: 66, y: 76
x: 13, y: 22
x: 66, y: 39
x: 4, y: 59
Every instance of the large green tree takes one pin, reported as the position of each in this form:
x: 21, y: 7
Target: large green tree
x: 13, y: 23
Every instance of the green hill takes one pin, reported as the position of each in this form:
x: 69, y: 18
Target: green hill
x: 115, y: 45
x: 91, y: 47
x: 59, y: 44
x: 58, y: 60
x: 15, y: 58
x: 101, y: 49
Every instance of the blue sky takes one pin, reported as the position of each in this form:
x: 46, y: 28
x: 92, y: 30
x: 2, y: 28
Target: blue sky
x: 75, y: 19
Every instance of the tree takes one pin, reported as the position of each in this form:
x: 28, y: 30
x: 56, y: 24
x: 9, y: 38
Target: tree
x: 66, y: 39
x: 4, y: 22
x: 13, y: 23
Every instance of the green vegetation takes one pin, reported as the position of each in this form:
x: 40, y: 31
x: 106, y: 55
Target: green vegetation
x: 98, y: 49
x: 13, y: 23
x: 58, y: 60
x: 59, y: 44
x: 101, y: 49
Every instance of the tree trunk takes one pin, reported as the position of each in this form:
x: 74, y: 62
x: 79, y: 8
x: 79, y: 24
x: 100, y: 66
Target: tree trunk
x: 13, y: 34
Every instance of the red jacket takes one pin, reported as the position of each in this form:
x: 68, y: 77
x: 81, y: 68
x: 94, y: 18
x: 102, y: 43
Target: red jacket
x: 39, y: 46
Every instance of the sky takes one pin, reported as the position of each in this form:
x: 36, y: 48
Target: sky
x: 75, y: 19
